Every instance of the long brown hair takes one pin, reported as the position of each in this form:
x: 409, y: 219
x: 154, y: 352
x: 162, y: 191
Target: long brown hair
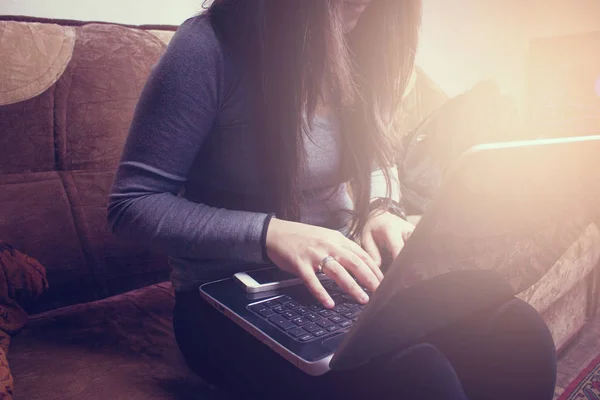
x: 295, y: 50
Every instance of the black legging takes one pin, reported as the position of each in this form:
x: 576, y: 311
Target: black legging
x: 504, y: 353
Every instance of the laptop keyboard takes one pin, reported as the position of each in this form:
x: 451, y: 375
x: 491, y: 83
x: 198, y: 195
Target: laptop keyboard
x: 308, y: 321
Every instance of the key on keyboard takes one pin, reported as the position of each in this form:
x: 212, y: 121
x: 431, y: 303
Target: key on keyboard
x: 304, y: 321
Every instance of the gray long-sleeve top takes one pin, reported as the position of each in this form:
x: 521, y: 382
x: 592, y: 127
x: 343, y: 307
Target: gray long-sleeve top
x: 189, y: 166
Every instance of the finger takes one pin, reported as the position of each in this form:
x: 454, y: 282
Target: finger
x: 394, y: 244
x: 359, y: 251
x: 315, y: 287
x: 407, y: 232
x: 338, y: 273
x: 353, y: 263
x: 368, y: 243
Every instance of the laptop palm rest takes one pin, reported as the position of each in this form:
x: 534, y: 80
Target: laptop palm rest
x: 333, y: 343
x: 414, y: 313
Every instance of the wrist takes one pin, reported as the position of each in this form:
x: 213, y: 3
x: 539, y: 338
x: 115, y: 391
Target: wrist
x: 387, y: 205
x: 266, y: 235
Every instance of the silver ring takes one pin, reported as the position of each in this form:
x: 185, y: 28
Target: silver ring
x: 324, y: 262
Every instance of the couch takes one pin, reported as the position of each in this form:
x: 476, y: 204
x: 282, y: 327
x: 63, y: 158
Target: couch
x: 103, y: 328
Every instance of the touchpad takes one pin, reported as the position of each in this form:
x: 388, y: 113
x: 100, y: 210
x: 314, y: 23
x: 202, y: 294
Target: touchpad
x: 333, y: 343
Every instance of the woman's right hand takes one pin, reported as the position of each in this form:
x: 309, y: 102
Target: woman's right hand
x: 299, y: 248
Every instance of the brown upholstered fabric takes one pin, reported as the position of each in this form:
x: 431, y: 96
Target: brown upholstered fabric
x: 123, y: 348
x: 27, y: 135
x: 98, y: 92
x: 570, y: 269
x: 35, y: 56
x: 164, y: 36
x: 58, y: 154
x: 22, y: 280
x: 117, y: 348
x: 37, y: 219
x: 568, y: 314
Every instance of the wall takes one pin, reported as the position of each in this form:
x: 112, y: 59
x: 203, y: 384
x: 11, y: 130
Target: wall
x: 136, y: 12
x: 463, y: 41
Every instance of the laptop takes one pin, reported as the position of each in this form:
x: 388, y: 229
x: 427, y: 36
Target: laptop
x: 495, y: 227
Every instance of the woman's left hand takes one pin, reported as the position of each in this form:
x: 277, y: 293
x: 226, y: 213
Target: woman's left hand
x: 385, y: 230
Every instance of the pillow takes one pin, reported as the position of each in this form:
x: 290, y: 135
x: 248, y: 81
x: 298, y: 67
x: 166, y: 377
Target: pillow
x: 33, y: 57
x: 22, y: 280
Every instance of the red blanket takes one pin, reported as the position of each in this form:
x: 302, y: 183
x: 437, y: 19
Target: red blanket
x: 22, y: 279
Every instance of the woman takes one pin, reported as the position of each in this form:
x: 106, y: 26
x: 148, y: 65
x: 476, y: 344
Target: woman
x: 246, y: 138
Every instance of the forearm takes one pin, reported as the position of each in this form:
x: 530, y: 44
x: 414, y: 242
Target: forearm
x: 181, y: 228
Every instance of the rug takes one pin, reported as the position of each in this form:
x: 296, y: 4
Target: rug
x: 586, y: 386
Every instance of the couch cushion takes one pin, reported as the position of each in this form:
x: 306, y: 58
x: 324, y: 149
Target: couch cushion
x: 574, y: 266
x: 118, y: 266
x: 123, y: 348
x: 60, y: 219
x: 118, y: 348
x: 36, y: 56
x: 59, y: 150
x: 97, y: 94
x: 35, y: 217
x: 27, y: 135
x: 568, y: 314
